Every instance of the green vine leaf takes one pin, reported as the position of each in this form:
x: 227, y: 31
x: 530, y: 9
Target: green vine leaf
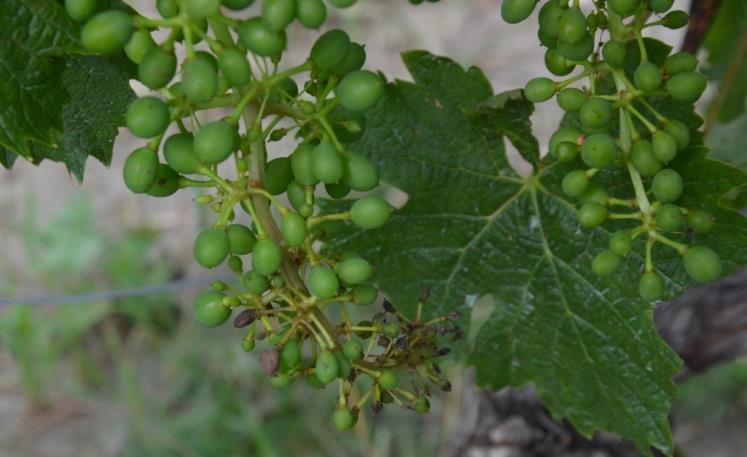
x: 472, y: 227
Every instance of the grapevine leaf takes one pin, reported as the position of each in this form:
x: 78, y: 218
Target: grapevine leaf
x: 728, y: 140
x: 473, y: 227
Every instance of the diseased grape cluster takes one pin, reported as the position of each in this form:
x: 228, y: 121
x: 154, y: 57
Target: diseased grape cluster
x: 289, y: 285
x: 621, y: 127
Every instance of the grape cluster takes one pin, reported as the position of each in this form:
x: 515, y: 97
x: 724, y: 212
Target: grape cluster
x: 290, y: 285
x: 597, y: 43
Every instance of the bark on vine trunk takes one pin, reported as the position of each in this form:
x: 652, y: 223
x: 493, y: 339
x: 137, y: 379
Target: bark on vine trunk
x: 706, y: 326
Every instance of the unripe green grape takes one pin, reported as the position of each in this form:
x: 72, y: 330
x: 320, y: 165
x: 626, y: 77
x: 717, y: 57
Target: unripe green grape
x: 675, y: 19
x: 596, y: 113
x: 140, y: 170
x: 342, y: 3
x: 557, y: 64
x: 545, y: 39
x: 301, y: 165
x: 256, y: 283
x: 211, y: 247
x: 354, y: 271
x: 167, y: 182
x: 700, y: 221
x: 687, y: 86
x: 80, y: 10
x: 344, y: 366
x: 679, y: 132
x: 664, y: 146
x: 359, y: 173
x: 156, y: 68
x: 241, y: 240
x: 235, y: 264
x: 571, y: 99
x: 591, y: 215
x: 353, y: 61
x: 421, y: 405
x: 647, y: 77
x: 572, y: 26
x: 549, y: 19
x: 330, y: 49
x: 650, y: 286
x: 281, y: 380
x: 257, y: 37
x: 199, y: 79
x: 577, y: 51
x: 566, y: 151
x: 606, y: 263
x: 147, y: 117
x: 266, y: 257
x: 360, y: 90
x: 248, y: 344
x: 353, y: 349
x: 326, y: 163
x: 575, y: 183
x: 311, y: 13
x: 215, y: 141
x: 668, y: 218
x: 294, y: 229
x: 614, y: 53
x: 388, y: 380
x: 140, y: 43
x: 326, y: 367
x: 623, y: 8
x: 278, y: 175
x: 702, y: 263
x: 594, y: 194
x: 167, y: 8
x: 667, y: 186
x: 277, y: 14
x: 323, y: 283
x: 364, y: 294
x: 660, y: 6
x: 290, y: 354
x: 107, y: 33
x: 680, y: 62
x: 370, y: 212
x: 564, y: 134
x: 343, y: 419
x: 198, y: 9
x: 209, y: 310
x: 599, y: 150
x: 178, y: 150
x: 515, y: 11
x: 337, y: 190
x: 235, y: 67
x: 539, y: 89
x: 237, y: 5
x: 621, y: 242
x: 643, y: 159
x: 296, y: 195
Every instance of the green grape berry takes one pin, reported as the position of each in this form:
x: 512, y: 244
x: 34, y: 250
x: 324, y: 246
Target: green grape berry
x: 702, y: 264
x: 343, y: 419
x: 178, y: 150
x: 566, y: 151
x: 549, y: 19
x: 623, y: 8
x: 572, y: 27
x: 342, y: 3
x: 301, y: 165
x: 575, y: 183
x: 323, y: 283
x: 675, y: 19
x: 208, y: 309
x: 354, y: 270
x: 687, y: 86
x: 515, y: 11
x: 660, y: 6
x: 326, y: 367
x: 81, y: 10
x: 281, y: 380
x: 679, y: 132
x: 215, y: 141
x: 237, y: 5
x: 211, y: 247
x: 599, y: 150
x: 571, y: 99
x: 594, y: 194
x: 294, y: 229
x: 241, y: 239
x: 167, y: 8
x: 592, y: 214
x: 614, y: 53
x: 198, y: 9
x: 296, y: 195
x: 337, y: 190
x: 156, y: 68
x: 140, y: 43
x: 326, y: 163
x: 651, y: 286
x: 354, y: 60
x: 277, y: 14
x: 388, y: 380
x: 107, y: 33
x: 577, y: 51
x: 647, y: 77
x: 147, y: 117
x: 421, y: 405
x: 353, y: 349
x: 290, y: 354
x: 680, y: 62
x: 256, y: 36
x: 311, y: 13
x: 199, y: 80
x: 360, y: 90
x: 140, y: 170
x: 621, y: 242
x: 359, y: 173
x: 664, y: 146
x: 278, y: 174
x: 235, y: 67
x: 606, y: 263
x: 166, y: 183
x: 564, y: 134
x: 596, y: 113
x: 643, y: 159
x: 700, y: 221
x: 255, y: 282
x: 557, y: 64
x: 668, y: 218
x: 266, y: 257
x: 539, y: 89
x: 364, y: 294
x: 330, y: 49
x: 667, y: 186
x: 370, y: 212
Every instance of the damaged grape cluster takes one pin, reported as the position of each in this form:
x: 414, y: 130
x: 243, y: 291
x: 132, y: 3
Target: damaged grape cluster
x: 220, y: 97
x: 620, y: 126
